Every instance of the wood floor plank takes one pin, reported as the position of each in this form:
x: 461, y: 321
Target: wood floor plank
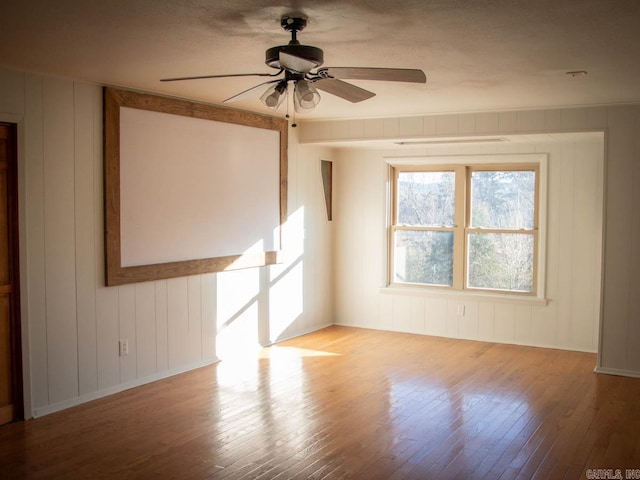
x: 348, y: 403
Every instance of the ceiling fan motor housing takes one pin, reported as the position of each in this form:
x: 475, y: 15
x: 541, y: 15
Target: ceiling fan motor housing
x: 307, y: 52
x: 294, y: 25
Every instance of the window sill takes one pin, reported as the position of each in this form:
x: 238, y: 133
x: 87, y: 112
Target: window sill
x: 466, y: 295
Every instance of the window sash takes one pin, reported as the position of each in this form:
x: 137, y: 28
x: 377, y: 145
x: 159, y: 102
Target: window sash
x: 516, y: 271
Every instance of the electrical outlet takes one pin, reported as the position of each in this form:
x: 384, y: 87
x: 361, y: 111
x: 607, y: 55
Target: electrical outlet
x: 124, y: 347
x: 461, y: 310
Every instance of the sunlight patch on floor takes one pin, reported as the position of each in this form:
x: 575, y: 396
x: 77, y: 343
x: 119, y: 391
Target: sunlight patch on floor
x: 278, y: 352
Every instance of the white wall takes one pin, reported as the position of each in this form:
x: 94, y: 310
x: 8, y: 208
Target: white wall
x: 72, y: 323
x: 573, y: 249
x: 620, y: 299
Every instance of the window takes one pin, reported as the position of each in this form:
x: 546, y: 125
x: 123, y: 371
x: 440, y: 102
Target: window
x: 465, y: 227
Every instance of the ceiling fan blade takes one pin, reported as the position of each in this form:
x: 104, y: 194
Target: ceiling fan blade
x: 296, y: 64
x: 248, y: 92
x: 384, y: 74
x: 343, y: 89
x: 201, y: 77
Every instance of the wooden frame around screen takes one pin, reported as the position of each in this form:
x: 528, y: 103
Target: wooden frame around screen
x: 115, y: 273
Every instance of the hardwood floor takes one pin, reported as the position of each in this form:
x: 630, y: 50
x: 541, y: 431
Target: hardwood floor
x: 349, y: 403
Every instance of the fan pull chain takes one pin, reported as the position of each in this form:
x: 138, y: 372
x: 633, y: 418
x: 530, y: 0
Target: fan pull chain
x: 287, y: 116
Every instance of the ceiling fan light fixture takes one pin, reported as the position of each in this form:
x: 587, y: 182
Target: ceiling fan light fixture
x: 274, y: 95
x: 305, y: 96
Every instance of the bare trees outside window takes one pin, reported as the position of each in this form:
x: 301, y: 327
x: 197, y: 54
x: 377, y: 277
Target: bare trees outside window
x: 465, y: 226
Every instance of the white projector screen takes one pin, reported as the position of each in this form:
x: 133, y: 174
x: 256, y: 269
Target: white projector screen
x: 190, y: 188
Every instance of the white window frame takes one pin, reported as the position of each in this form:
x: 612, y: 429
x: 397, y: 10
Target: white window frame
x: 457, y: 161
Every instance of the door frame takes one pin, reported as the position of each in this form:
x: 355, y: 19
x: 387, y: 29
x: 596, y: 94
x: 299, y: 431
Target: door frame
x: 15, y: 323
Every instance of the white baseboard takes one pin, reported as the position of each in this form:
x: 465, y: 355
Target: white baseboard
x: 617, y: 371
x: 488, y: 340
x: 72, y: 402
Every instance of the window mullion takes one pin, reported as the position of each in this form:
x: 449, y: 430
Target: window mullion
x: 460, y: 222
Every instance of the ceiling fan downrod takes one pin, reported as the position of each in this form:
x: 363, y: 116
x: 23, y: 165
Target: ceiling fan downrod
x: 293, y: 25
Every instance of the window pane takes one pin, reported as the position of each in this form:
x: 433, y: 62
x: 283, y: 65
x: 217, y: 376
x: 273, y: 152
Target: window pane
x: 423, y: 257
x: 503, y: 199
x: 501, y: 261
x: 426, y: 198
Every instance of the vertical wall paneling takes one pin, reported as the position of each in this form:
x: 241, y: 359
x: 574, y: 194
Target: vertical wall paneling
x: 585, y: 294
x: 553, y: 238
x: 373, y: 265
x: 209, y: 316
x: 84, y: 121
x: 487, y: 123
x: 447, y: 125
x: 410, y: 126
x: 194, y: 351
x: 59, y: 237
x: 566, y: 243
x: 532, y: 121
x: 596, y: 117
x: 436, y: 316
x: 264, y: 328
x: 146, y: 336
x: 107, y: 332
x: 429, y: 125
x: 178, y: 321
x: 633, y: 359
x: 401, y: 313
x: 374, y: 128
x: 553, y: 120
x: 467, y: 123
x: 127, y: 331
x: 504, y: 322
x: 574, y: 119
x: 13, y: 91
x: 572, y: 231
x: 469, y: 322
x: 385, y: 315
x: 162, y: 325
x: 486, y: 316
x: 619, y: 246
x: 523, y: 320
x: 305, y: 175
x: 390, y: 127
x: 73, y: 323
x: 417, y: 315
x: 452, y: 320
x: 34, y: 281
x: 507, y: 122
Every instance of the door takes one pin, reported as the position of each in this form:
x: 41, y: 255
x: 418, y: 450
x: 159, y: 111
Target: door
x: 10, y: 352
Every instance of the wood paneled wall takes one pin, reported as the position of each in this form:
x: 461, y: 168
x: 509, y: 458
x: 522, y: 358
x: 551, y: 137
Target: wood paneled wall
x: 573, y: 251
x: 72, y: 322
x: 620, y: 299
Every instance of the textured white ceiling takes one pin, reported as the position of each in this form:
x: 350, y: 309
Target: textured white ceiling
x: 477, y: 54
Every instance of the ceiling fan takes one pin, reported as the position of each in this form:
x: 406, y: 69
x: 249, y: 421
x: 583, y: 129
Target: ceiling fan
x: 296, y: 62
